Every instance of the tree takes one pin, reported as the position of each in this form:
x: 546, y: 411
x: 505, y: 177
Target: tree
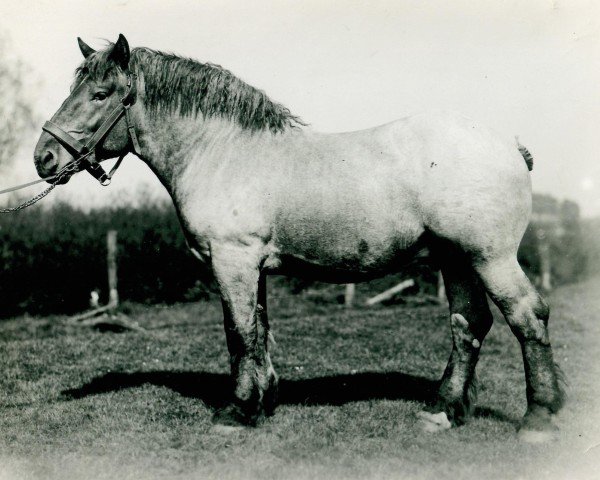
x: 17, y: 118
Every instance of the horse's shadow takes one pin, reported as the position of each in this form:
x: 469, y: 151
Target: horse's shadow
x: 213, y: 388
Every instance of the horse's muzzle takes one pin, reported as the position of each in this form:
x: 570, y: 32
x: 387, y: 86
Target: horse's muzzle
x: 47, y: 166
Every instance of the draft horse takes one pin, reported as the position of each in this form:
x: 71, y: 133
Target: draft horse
x: 259, y: 193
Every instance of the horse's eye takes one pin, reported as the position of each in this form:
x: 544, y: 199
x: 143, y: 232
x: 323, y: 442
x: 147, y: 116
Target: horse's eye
x: 99, y: 96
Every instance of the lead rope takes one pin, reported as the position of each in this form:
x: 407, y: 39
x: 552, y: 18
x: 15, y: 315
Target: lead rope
x: 67, y: 169
x: 70, y: 167
x: 56, y: 178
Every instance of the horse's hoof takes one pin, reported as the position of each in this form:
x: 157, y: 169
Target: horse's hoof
x: 434, y: 422
x: 233, y: 416
x: 537, y: 436
x: 538, y: 426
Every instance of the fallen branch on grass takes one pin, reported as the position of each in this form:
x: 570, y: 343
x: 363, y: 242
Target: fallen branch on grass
x: 93, y: 313
x: 105, y: 319
x: 390, y: 292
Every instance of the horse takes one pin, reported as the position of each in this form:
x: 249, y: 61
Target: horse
x: 259, y: 193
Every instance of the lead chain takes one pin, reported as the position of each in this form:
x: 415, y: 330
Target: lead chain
x: 70, y: 167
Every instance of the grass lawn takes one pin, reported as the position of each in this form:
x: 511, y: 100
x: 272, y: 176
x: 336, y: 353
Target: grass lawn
x: 76, y: 403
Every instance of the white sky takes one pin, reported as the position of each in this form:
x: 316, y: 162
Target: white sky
x: 529, y: 68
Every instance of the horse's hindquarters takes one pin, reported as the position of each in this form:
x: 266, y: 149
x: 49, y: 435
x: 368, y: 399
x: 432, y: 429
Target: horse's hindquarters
x: 475, y: 190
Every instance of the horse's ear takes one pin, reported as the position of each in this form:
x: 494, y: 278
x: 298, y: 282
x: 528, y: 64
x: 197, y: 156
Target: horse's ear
x: 120, y: 52
x: 86, y: 50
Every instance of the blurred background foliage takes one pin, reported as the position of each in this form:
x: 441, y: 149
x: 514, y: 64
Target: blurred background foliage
x: 51, y: 259
x: 17, y: 116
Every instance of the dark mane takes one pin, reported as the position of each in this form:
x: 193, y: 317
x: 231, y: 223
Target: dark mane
x: 176, y: 84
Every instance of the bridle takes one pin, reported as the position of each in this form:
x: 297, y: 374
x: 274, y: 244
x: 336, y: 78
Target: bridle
x: 85, y: 154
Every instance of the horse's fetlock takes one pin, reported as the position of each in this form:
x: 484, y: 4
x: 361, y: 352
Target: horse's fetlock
x: 248, y: 392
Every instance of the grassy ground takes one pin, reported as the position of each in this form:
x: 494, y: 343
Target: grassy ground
x: 79, y: 404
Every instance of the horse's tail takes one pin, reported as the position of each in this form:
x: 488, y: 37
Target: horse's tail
x: 526, y: 155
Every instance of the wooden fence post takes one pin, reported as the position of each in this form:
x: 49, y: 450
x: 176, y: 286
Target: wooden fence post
x: 349, y: 294
x: 113, y: 294
x: 545, y: 263
x: 441, y: 288
x: 111, y: 257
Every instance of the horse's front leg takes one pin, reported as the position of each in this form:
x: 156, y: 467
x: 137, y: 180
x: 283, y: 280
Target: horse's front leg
x: 237, y: 271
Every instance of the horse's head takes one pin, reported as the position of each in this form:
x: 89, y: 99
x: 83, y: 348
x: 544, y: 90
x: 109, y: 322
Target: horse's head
x: 91, y: 123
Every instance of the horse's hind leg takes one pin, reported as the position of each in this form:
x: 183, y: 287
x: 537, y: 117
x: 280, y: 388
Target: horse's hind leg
x: 527, y: 315
x: 470, y: 321
x: 243, y: 294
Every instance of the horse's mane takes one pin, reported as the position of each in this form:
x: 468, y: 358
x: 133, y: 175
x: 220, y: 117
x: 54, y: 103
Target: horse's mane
x: 182, y: 85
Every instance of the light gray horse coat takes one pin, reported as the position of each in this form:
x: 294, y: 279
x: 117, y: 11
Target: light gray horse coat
x: 258, y: 194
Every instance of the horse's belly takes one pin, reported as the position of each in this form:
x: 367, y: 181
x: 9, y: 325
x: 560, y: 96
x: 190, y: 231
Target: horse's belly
x: 299, y: 266
x: 340, y: 251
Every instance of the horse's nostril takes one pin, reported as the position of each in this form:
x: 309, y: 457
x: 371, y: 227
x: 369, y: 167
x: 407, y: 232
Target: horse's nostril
x: 49, y: 162
x: 48, y: 159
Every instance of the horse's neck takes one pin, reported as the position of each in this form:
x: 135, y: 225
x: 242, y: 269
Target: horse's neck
x: 171, y: 143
